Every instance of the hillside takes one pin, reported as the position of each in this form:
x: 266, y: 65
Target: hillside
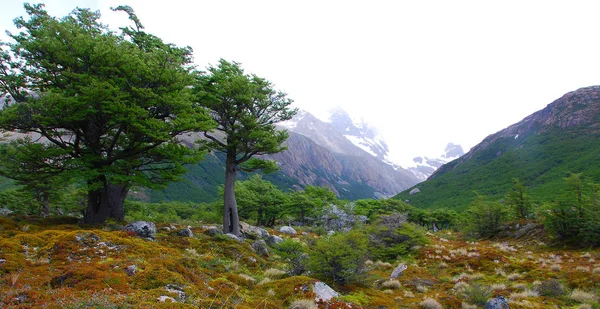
x: 540, y: 151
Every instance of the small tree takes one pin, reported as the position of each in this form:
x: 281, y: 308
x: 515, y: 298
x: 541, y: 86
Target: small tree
x: 108, y: 106
x: 246, y: 108
x: 518, y: 200
x: 261, y: 199
x: 484, y: 218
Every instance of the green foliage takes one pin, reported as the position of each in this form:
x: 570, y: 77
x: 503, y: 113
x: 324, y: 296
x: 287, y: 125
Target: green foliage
x: 340, y: 258
x: 575, y: 214
x: 260, y: 200
x: 293, y: 253
x: 391, y: 237
x: 107, y: 105
x: 484, y: 218
x: 477, y: 294
x: 170, y: 212
x: 518, y: 200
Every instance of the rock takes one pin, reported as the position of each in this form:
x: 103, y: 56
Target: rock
x: 163, y: 299
x: 5, y: 212
x: 497, y: 303
x: 324, y: 292
x: 213, y: 231
x: 260, y: 247
x: 144, y: 229
x: 165, y: 229
x: 173, y: 288
x: 252, y: 232
x: 130, y: 270
x: 234, y: 237
x: 287, y: 230
x: 2, y: 261
x: 273, y: 240
x: 398, y: 271
x: 330, y: 233
x: 186, y: 232
x: 414, y: 191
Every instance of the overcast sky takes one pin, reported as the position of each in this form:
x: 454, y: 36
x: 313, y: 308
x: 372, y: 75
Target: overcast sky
x: 424, y: 72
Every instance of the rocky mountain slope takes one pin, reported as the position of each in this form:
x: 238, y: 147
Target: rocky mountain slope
x: 540, y: 150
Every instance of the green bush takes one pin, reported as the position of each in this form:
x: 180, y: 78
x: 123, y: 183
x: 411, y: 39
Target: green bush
x: 294, y: 254
x: 340, y: 258
x: 484, y: 218
x: 391, y: 236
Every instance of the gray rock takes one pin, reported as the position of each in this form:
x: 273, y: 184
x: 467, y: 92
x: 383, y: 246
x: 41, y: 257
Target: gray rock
x: 288, y: 230
x: 324, y: 292
x: 273, y: 240
x: 234, y: 237
x: 497, y: 303
x: 398, y: 271
x: 174, y: 288
x: 2, y: 261
x: 165, y: 229
x: 164, y: 298
x: 5, y: 212
x: 213, y: 231
x: 414, y: 191
x: 186, y: 232
x: 252, y: 232
x: 260, y: 247
x: 144, y: 229
x: 130, y: 270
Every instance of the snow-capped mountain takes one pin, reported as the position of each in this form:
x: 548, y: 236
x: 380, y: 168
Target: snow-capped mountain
x: 356, y: 161
x: 425, y: 166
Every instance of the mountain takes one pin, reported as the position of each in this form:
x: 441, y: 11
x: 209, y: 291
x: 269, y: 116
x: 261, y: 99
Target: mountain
x: 541, y: 150
x: 317, y: 155
x: 321, y: 153
x: 426, y: 166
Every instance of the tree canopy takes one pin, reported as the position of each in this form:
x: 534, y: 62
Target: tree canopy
x: 107, y: 106
x: 245, y: 108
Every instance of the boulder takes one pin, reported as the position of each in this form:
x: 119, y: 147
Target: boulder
x: 186, y: 232
x: 144, y: 229
x: 497, y: 303
x: 273, y: 240
x: 5, y: 212
x: 414, y: 191
x: 324, y: 292
x: 398, y: 271
x: 252, y: 232
x: 288, y: 230
x: 130, y: 270
x: 164, y: 298
x: 260, y: 247
x: 234, y: 237
x: 213, y: 231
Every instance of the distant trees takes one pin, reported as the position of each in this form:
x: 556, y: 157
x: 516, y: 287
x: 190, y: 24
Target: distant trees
x: 575, y: 215
x: 484, y: 218
x: 245, y: 108
x: 107, y: 106
x: 518, y: 200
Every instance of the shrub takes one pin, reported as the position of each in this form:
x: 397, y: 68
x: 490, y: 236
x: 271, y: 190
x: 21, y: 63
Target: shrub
x: 484, y: 218
x: 303, y: 304
x: 294, y: 254
x: 391, y: 284
x: 391, y: 236
x: 477, y: 294
x: 550, y: 288
x: 430, y: 303
x: 581, y: 296
x: 340, y: 259
x: 274, y: 273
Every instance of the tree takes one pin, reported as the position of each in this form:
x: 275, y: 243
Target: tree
x: 108, y: 106
x: 484, y: 218
x: 260, y: 198
x: 518, y: 200
x: 246, y: 108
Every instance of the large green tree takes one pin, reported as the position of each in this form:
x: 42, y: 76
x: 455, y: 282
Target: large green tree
x: 246, y: 108
x: 108, y: 106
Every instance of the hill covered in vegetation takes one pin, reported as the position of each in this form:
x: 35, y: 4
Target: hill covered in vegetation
x: 540, y: 151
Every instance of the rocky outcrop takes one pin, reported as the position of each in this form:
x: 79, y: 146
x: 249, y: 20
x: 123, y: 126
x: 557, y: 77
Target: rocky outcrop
x: 287, y: 230
x: 497, y: 303
x: 186, y: 232
x: 324, y: 292
x: 144, y: 229
x: 260, y: 247
x: 273, y: 240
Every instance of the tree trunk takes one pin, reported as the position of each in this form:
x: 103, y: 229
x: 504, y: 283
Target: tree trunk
x: 45, y: 203
x: 231, y: 220
x: 106, y: 202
